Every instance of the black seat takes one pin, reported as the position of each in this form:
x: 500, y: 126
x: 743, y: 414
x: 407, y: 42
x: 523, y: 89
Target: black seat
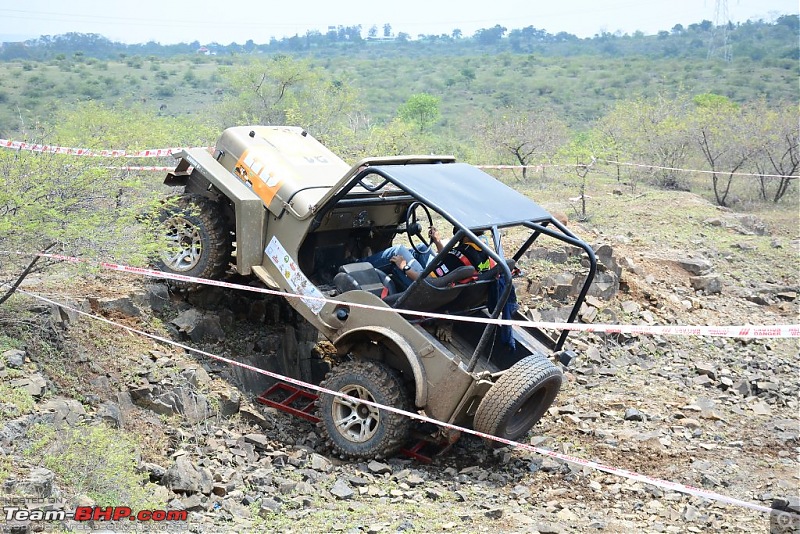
x: 476, y: 294
x: 362, y: 275
x: 432, y: 293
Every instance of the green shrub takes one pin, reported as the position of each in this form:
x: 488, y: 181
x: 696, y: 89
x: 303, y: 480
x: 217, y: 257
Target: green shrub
x: 92, y: 89
x: 7, y: 343
x: 6, y: 466
x: 165, y: 90
x: 97, y: 461
x: 131, y: 81
x: 15, y: 401
x: 40, y: 437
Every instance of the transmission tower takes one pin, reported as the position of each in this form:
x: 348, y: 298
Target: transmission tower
x: 719, y: 44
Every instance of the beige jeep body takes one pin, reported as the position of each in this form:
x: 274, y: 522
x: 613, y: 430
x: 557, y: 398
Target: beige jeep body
x: 296, y: 215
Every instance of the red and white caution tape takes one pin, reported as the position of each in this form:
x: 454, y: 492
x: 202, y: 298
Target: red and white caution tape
x: 152, y: 168
x: 70, y: 151
x: 538, y: 168
x: 677, y: 169
x: 740, y: 331
x: 163, y: 152
x: 624, y: 473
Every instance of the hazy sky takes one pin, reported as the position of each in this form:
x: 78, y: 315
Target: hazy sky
x: 226, y: 21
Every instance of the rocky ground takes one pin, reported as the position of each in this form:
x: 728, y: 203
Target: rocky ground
x: 715, y: 413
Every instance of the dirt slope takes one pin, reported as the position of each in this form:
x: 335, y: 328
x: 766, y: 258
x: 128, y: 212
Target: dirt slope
x: 715, y: 413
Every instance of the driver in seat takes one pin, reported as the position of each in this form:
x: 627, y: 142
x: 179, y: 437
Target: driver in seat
x: 407, y: 264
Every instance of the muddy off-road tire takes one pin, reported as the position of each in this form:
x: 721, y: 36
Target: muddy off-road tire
x: 518, y: 399
x: 197, y: 242
x: 358, y: 431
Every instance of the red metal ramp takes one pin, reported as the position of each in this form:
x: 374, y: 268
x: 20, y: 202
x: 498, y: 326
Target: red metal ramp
x: 301, y: 403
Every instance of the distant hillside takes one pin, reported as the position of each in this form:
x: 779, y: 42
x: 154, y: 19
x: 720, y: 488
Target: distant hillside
x: 577, y: 79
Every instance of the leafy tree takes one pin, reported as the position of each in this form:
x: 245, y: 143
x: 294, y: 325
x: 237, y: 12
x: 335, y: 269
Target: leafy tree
x: 420, y: 109
x: 650, y: 131
x: 392, y: 139
x: 706, y: 25
x: 469, y: 74
x: 283, y: 90
x: 610, y: 134
x: 524, y: 40
x: 387, y: 30
x: 97, y: 126
x: 80, y: 205
x: 490, y: 36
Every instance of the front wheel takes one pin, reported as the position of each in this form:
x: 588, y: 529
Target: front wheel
x: 355, y: 429
x: 518, y: 399
x: 196, y: 240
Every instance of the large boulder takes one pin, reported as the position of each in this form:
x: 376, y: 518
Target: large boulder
x: 184, y: 477
x: 38, y: 484
x: 199, y: 326
x: 171, y: 400
x: 709, y: 284
x: 696, y: 266
x: 14, y: 358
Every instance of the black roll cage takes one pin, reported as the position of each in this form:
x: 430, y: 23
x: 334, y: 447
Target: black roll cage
x: 539, y: 227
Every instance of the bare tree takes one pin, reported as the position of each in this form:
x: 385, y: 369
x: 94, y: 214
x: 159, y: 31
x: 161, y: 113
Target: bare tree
x: 527, y: 136
x: 724, y: 135
x: 582, y: 171
x: 780, y: 154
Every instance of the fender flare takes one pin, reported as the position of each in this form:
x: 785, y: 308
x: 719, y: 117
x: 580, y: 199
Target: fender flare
x: 251, y: 217
x: 398, y: 345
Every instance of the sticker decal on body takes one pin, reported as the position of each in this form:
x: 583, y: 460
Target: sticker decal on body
x: 297, y: 281
x: 254, y: 172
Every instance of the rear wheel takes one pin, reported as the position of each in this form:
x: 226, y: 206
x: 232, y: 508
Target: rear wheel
x: 196, y: 240
x: 355, y: 429
x: 518, y: 399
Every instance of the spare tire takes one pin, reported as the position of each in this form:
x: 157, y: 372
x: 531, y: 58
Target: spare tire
x: 518, y: 399
x: 196, y: 240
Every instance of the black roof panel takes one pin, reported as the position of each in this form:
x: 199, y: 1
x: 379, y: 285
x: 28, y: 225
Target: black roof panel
x: 465, y: 193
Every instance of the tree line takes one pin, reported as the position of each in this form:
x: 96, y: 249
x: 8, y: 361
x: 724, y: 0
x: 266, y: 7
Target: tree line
x: 754, y: 39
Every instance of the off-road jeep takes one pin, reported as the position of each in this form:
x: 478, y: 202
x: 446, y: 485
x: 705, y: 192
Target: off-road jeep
x: 276, y: 203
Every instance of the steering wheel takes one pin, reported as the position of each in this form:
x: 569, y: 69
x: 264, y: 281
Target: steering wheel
x: 414, y: 228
